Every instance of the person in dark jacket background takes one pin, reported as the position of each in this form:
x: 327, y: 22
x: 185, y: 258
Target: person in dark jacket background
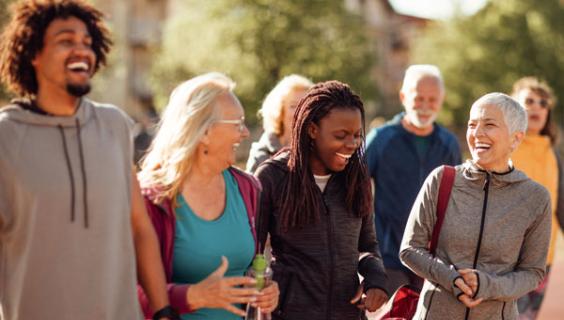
x: 316, y: 206
x: 277, y: 112
x: 400, y: 155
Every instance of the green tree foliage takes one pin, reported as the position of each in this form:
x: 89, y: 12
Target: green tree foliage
x: 4, y: 16
x: 257, y: 42
x: 488, y: 51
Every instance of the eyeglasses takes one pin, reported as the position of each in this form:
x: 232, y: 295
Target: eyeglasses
x: 239, y: 122
x: 542, y: 102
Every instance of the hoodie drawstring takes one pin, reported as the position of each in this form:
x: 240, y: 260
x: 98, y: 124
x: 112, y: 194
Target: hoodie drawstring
x: 69, y: 167
x: 71, y: 174
x: 83, y: 171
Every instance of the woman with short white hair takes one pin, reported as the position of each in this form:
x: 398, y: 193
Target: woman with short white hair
x: 493, y: 243
x: 277, y: 114
x: 202, y: 208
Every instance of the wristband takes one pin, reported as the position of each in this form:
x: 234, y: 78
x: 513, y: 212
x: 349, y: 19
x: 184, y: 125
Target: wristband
x: 166, y: 312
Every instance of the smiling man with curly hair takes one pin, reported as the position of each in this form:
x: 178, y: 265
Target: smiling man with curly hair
x: 71, y: 215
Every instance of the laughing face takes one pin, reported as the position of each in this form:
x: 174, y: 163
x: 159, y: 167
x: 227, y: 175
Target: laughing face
x: 489, y: 139
x: 336, y: 139
x: 66, y: 62
x: 423, y: 102
x: 225, y: 136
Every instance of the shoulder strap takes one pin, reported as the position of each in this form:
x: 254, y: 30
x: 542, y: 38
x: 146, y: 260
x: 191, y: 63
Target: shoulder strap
x: 444, y: 195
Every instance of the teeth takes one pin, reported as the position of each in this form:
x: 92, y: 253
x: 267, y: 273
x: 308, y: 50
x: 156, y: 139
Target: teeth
x: 78, y: 66
x: 236, y: 145
x: 346, y: 156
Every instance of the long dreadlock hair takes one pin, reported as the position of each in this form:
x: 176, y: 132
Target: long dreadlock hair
x: 300, y: 203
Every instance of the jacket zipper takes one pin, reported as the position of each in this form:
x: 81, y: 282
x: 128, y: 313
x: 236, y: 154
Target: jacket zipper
x: 482, y: 222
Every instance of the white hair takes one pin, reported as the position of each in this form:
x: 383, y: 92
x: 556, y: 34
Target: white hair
x: 272, y: 109
x: 190, y: 112
x: 416, y: 72
x: 514, y: 113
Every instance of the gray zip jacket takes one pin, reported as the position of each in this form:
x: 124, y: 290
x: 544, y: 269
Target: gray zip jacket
x: 498, y: 224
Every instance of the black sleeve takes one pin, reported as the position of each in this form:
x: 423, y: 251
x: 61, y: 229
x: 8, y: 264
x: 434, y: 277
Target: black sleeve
x: 265, y: 175
x: 371, y: 267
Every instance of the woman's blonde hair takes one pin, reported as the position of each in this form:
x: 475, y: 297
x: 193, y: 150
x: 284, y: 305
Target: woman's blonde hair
x: 190, y: 112
x: 272, y: 109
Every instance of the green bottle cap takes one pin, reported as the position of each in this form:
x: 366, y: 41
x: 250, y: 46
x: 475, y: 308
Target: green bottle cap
x: 259, y: 263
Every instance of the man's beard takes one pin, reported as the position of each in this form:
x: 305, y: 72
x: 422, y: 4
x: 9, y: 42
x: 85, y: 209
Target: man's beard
x: 78, y: 90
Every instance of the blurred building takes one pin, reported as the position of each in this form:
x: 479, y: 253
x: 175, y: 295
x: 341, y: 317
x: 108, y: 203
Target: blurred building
x: 136, y: 27
x: 137, y: 30
x: 393, y: 35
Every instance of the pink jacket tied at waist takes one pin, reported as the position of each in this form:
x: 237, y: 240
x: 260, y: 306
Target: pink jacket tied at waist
x: 164, y: 221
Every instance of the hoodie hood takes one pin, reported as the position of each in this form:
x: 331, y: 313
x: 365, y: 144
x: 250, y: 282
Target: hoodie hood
x: 473, y: 173
x: 18, y: 112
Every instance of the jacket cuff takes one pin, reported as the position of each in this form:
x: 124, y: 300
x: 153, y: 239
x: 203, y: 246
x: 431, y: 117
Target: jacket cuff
x: 373, y: 273
x: 482, y: 281
x: 455, y: 289
x: 177, y: 295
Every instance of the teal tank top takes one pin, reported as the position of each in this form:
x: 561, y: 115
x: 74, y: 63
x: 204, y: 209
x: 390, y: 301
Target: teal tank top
x: 199, y: 245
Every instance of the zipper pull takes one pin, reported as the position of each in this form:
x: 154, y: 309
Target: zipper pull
x: 487, y: 181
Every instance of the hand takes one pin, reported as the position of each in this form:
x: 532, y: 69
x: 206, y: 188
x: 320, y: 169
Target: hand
x: 470, y: 278
x: 268, y: 298
x: 468, y: 301
x: 463, y: 286
x: 372, y: 301
x: 215, y: 291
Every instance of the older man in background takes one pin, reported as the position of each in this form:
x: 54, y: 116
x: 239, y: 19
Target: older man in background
x: 400, y: 155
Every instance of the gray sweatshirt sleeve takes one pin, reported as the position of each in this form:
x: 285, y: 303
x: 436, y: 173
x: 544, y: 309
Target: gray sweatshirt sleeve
x: 531, y: 267
x: 560, y: 193
x: 414, y: 251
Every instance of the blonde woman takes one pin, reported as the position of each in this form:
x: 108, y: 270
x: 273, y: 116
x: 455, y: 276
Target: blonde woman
x: 277, y: 113
x: 537, y: 157
x: 202, y: 208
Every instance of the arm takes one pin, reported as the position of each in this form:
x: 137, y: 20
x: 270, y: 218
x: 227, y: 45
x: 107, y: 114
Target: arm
x: 529, y: 271
x: 414, y: 252
x: 265, y: 205
x: 149, y: 267
x: 371, y: 266
x: 560, y: 193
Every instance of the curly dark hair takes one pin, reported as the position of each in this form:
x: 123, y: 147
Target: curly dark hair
x: 23, y: 38
x: 300, y: 205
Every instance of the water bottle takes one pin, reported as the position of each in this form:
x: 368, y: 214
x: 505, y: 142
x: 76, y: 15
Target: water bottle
x: 260, y: 271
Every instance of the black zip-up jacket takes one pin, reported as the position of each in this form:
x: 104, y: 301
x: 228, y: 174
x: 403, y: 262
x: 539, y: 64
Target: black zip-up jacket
x: 316, y: 266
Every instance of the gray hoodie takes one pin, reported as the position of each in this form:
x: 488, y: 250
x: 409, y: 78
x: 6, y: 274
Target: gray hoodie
x: 262, y: 150
x: 498, y: 224
x: 66, y: 248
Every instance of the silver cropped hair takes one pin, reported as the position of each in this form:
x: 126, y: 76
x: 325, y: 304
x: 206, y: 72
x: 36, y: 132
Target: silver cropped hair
x: 514, y: 113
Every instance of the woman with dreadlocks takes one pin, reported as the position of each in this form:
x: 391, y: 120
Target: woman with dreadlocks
x: 316, y: 206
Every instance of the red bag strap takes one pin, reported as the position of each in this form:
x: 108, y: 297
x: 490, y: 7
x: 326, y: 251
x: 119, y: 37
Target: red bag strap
x: 444, y: 195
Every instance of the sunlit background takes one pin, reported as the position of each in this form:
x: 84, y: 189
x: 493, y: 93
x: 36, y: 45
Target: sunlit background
x: 480, y: 46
